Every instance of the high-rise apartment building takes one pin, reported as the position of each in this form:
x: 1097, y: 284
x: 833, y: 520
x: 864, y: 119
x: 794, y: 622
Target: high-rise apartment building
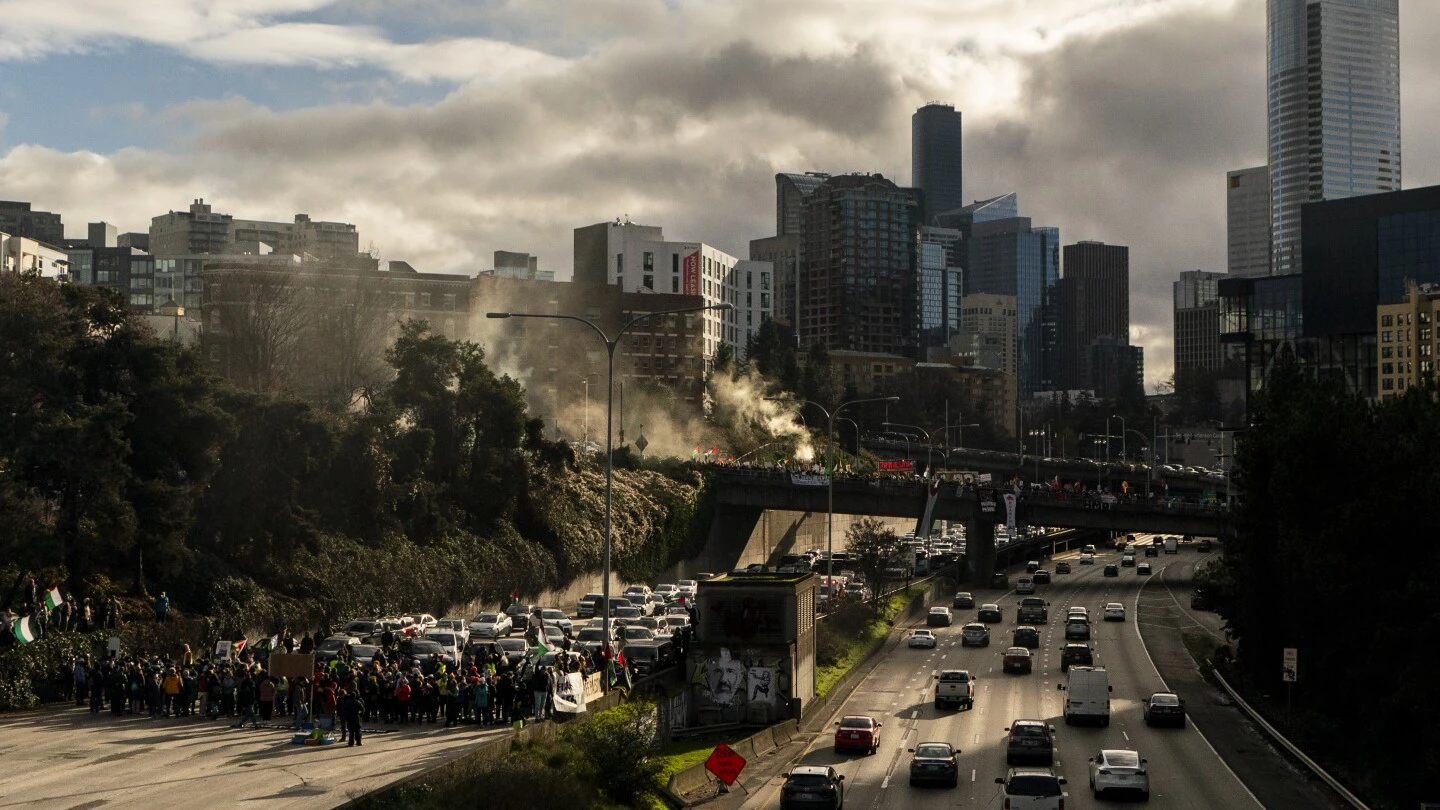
x: 1196, y: 308
x: 1247, y: 221
x: 638, y: 259
x: 1334, y: 108
x: 18, y: 219
x: 1092, y: 302
x: 201, y: 230
x: 936, y: 161
x: 988, y: 332
x: 1407, y: 340
x: 858, y: 266
x: 1011, y: 257
x: 783, y: 253
x: 792, y: 191
x: 940, y: 288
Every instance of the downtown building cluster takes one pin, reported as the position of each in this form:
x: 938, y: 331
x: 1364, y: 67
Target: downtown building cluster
x: 1331, y: 264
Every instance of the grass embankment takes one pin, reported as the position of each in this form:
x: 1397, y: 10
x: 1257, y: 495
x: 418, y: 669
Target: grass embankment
x: 850, y: 634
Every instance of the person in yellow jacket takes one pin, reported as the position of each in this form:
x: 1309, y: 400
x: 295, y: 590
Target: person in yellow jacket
x: 170, y: 686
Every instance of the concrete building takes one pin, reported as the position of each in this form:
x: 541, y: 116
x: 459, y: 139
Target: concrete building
x: 20, y: 254
x: 936, y: 158
x: 858, y: 266
x: 200, y: 230
x: 1407, y: 340
x: 1092, y: 304
x: 783, y: 254
x: 102, y: 234
x: 1334, y: 109
x: 638, y: 259
x: 868, y: 372
x: 988, y: 332
x: 18, y: 219
x: 1196, y: 309
x: 1247, y: 221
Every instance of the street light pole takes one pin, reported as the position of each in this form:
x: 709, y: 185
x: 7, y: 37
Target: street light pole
x: 1124, y: 450
x: 610, y: 346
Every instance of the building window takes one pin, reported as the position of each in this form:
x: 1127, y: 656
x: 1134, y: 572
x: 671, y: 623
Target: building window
x: 1387, y: 336
x: 1387, y: 351
x: 424, y: 300
x: 449, y: 302
x: 764, y: 281
x: 1387, y: 368
x: 674, y: 284
x: 648, y: 261
x: 764, y: 300
x: 675, y: 262
x: 1387, y: 320
x: 619, y: 264
x: 648, y: 281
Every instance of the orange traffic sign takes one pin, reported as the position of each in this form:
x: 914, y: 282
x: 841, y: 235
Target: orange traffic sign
x: 725, y: 764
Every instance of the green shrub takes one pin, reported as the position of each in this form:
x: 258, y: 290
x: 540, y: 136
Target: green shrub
x: 622, y: 748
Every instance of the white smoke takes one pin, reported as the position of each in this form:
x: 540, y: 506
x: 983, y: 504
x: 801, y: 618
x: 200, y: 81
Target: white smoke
x: 744, y: 398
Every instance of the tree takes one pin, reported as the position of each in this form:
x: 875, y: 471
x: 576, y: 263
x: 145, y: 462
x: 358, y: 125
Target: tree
x: 875, y: 548
x: 260, y: 315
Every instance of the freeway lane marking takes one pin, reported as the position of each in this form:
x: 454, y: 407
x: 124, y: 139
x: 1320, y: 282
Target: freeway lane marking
x: 1126, y: 736
x: 914, y: 714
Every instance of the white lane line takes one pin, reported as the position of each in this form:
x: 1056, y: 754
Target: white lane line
x: 972, y: 774
x: 1126, y: 736
x: 886, y: 783
x: 914, y: 714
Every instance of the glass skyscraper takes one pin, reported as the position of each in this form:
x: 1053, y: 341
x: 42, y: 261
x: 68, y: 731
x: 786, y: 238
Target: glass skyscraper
x: 1010, y: 257
x: 1334, y: 108
x: 936, y: 161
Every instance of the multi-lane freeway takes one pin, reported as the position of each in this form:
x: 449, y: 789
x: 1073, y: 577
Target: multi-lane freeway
x: 1185, y: 770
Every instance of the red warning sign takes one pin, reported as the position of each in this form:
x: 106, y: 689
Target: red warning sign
x: 725, y: 764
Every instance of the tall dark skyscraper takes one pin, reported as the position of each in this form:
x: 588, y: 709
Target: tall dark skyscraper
x: 1093, y: 303
x: 935, y: 158
x: 1334, y: 108
x: 857, y: 266
x: 1013, y: 258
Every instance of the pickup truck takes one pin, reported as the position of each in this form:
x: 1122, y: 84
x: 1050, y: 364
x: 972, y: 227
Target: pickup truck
x: 955, y: 686
x: 1171, y: 546
x: 1032, y: 610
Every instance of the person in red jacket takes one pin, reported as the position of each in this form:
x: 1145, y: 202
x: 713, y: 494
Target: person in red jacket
x: 402, y: 699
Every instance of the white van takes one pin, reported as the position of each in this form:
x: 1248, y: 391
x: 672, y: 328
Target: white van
x: 1087, y: 696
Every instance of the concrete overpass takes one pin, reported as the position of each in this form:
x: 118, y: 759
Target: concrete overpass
x: 743, y: 495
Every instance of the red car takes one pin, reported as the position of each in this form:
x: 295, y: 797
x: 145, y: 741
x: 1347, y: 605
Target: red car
x: 858, y: 733
x: 1017, y: 659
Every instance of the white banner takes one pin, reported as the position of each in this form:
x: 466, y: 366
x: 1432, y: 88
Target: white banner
x: 809, y: 480
x: 1010, y: 511
x: 569, y: 693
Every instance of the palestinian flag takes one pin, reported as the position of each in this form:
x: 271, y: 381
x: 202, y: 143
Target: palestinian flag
x: 53, y: 599
x: 540, y: 649
x: 22, y: 630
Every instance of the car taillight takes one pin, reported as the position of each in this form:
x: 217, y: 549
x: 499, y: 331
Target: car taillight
x: 1007, y: 805
x: 1105, y: 771
x: 1062, y: 803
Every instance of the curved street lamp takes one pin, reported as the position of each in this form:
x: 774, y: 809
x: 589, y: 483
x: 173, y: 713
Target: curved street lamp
x: 610, y: 345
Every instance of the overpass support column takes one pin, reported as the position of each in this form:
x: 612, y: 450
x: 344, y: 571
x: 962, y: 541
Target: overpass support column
x: 980, y: 550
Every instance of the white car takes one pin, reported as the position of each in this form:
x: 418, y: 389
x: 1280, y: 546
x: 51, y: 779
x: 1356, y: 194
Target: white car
x: 450, y: 641
x: 1033, y: 789
x: 667, y: 591
x: 688, y: 588
x: 1077, y: 610
x: 424, y: 621
x: 1114, y: 612
x: 558, y: 618
x: 1087, y: 559
x: 1119, y: 770
x: 454, y: 624
x: 922, y: 638
x: 491, y: 625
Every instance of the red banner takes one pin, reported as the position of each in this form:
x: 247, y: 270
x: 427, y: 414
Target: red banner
x: 690, y: 283
x: 904, y: 465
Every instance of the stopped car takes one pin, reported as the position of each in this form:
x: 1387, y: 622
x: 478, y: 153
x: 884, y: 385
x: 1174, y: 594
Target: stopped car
x: 1143, y: 569
x: 648, y: 656
x: 667, y: 591
x: 1087, y: 559
x: 688, y: 588
x: 360, y: 628
x: 989, y: 613
x: 1041, y: 577
x: 1017, y: 659
x: 424, y: 621
x: 1112, y: 570
x: 1026, y: 636
x: 1077, y: 629
x: 454, y: 624
x: 858, y: 733
x: 329, y: 649
x: 1062, y: 567
x: 1032, y: 789
x: 634, y: 632
x: 1164, y: 708
x: 425, y: 654
x: 1072, y: 655
x: 921, y: 638
x: 934, y: 762
x: 1114, y: 612
x: 940, y: 616
x: 589, y: 606
x: 557, y: 617
x: 1199, y: 600
x: 451, y: 642
x: 491, y: 625
x: 519, y: 614
x: 954, y: 687
x: 1119, y: 770
x: 975, y: 634
x: 1152, y: 550
x: 816, y: 786
x: 627, y: 615
x: 363, y: 654
x: 590, y: 639
x: 963, y: 599
x: 1030, y: 740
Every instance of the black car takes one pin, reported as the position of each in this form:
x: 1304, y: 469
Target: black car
x: 1152, y: 550
x: 1027, y: 637
x: 1112, y: 570
x: 1164, y: 708
x: 813, y: 786
x: 963, y: 599
x: 934, y: 762
x: 1203, y: 545
x: 1041, y: 577
x: 999, y: 579
x: 519, y: 614
x: 990, y: 614
x: 425, y: 654
x: 1076, y: 655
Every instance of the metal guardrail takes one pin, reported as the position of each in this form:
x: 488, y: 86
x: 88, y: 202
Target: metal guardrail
x: 1314, y: 767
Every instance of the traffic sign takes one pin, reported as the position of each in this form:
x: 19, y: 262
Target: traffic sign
x: 1291, y: 672
x: 641, y: 443
x: 725, y: 764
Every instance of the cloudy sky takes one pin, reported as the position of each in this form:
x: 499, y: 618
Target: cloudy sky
x: 447, y: 129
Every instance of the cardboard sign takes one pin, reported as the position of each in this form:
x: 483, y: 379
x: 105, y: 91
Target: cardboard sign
x: 725, y: 764
x: 291, y: 665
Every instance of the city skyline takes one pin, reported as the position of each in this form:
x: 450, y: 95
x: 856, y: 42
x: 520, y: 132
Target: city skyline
x: 396, y: 120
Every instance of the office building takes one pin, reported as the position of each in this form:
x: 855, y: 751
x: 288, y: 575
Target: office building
x: 1196, y: 309
x: 783, y: 254
x: 940, y: 290
x: 1247, y: 221
x: 102, y: 234
x: 1005, y: 206
x: 792, y: 191
x: 858, y: 266
x: 1013, y: 258
x: 1407, y: 340
x: 1115, y: 369
x: 18, y: 219
x: 1092, y: 302
x: 936, y: 161
x: 638, y: 259
x: 1334, y: 109
x: 200, y: 230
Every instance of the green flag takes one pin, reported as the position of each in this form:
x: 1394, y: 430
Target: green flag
x: 53, y: 598
x: 23, y: 633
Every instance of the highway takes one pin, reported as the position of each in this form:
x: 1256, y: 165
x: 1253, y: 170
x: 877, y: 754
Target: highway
x: 1185, y: 772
